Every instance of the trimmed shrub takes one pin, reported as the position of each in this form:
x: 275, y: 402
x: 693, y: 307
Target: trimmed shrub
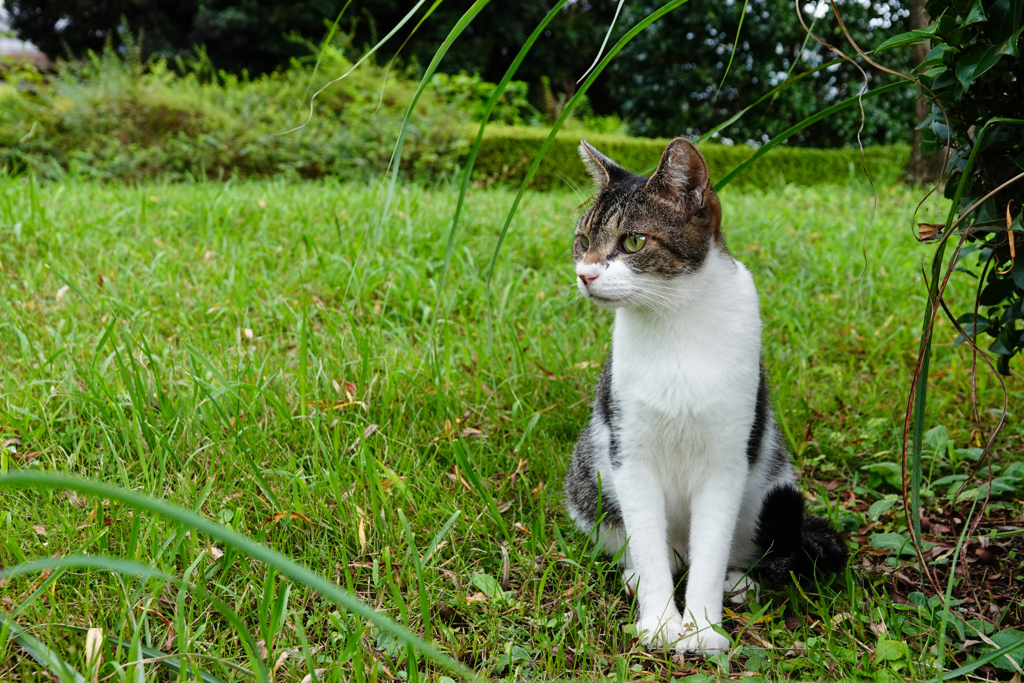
x: 119, y: 119
x: 507, y: 152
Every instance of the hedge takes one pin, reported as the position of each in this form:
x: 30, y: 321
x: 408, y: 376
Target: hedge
x: 507, y: 152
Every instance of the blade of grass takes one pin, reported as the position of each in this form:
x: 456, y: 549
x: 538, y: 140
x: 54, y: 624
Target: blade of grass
x: 396, y: 155
x: 796, y: 128
x: 286, y: 566
x: 170, y: 661
x: 42, y: 654
x: 121, y: 567
x: 570, y: 106
x: 355, y: 66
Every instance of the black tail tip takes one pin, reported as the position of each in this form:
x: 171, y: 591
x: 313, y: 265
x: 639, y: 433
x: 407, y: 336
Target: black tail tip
x: 794, y: 543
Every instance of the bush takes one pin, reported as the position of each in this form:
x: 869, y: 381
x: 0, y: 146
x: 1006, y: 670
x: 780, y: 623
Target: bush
x: 121, y: 119
x: 973, y: 72
x: 114, y: 118
x: 507, y: 152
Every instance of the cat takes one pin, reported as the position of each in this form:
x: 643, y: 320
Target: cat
x: 682, y: 456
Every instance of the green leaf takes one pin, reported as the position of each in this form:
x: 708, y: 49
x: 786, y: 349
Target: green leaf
x: 908, y: 38
x: 1005, y: 649
x: 880, y: 506
x: 937, y: 437
x: 1010, y: 46
x: 976, y: 62
x: 1018, y: 267
x: 976, y: 14
x: 488, y: 585
x: 891, y: 473
x: 890, y: 650
x: 898, y: 542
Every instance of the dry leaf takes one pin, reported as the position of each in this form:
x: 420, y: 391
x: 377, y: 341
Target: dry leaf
x: 277, y: 516
x: 41, y: 530
x: 361, y: 528
x: 93, y: 648
x: 283, y: 656
x: 929, y: 231
x: 477, y: 597
x: 309, y: 677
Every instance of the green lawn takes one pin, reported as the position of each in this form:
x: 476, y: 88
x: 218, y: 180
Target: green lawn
x: 277, y: 359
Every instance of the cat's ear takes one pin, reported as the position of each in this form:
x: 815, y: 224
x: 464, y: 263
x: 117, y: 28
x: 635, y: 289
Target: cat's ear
x: 682, y: 175
x: 602, y: 169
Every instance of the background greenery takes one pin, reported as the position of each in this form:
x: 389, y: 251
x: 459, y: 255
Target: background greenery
x: 671, y: 81
x: 123, y: 119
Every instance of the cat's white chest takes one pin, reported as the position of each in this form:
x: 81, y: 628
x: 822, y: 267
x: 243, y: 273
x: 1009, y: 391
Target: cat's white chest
x: 686, y: 382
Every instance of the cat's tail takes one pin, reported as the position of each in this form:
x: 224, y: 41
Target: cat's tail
x: 794, y: 542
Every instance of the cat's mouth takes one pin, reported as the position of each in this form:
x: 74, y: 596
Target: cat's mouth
x: 604, y: 301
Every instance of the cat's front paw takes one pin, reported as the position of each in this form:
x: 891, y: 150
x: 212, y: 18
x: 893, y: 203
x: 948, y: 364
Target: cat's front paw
x: 706, y: 641
x: 662, y: 633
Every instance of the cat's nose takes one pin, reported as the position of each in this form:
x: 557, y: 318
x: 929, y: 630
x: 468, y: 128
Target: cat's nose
x: 587, y: 279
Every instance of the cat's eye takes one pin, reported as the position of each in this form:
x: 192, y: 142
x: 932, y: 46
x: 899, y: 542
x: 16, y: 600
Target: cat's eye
x: 584, y: 242
x: 634, y: 243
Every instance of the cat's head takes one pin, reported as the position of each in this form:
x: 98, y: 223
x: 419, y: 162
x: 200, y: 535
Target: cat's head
x: 642, y: 235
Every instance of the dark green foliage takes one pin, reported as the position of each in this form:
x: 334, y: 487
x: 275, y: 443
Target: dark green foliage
x: 667, y: 81
x: 974, y: 71
x: 238, y: 34
x: 507, y: 152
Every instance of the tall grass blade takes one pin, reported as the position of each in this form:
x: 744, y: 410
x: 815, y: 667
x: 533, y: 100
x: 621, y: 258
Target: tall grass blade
x: 355, y: 66
x: 467, y: 171
x: 119, y: 566
x: 286, y: 566
x: 396, y: 155
x: 42, y: 654
x: 570, y: 106
x: 792, y: 130
x: 171, y: 661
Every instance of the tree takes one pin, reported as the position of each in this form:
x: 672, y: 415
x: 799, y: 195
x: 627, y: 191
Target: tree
x: 667, y: 81
x: 238, y: 34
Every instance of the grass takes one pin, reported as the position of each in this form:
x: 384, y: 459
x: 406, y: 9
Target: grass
x: 277, y: 359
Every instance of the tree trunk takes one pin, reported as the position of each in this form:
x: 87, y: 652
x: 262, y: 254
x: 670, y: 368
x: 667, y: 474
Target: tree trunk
x: 920, y: 168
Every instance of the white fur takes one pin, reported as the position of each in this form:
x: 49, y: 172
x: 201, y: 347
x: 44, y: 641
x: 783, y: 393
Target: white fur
x: 685, y: 372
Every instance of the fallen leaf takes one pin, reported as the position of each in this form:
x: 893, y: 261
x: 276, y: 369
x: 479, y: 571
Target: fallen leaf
x: 308, y: 678
x: 361, y: 528
x: 278, y: 516
x: 283, y: 656
x: 93, y: 648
